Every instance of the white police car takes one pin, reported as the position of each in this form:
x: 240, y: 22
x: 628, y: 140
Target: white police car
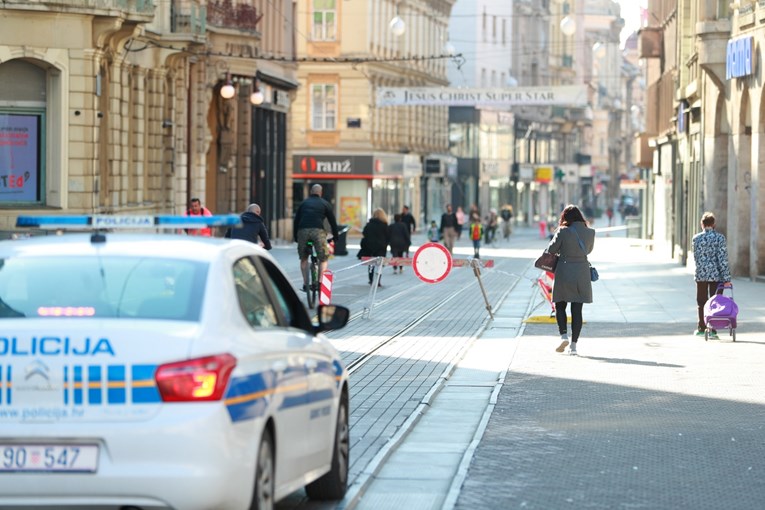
x: 153, y: 371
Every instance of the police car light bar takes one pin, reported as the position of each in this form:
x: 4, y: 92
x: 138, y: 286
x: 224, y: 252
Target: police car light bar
x: 105, y: 221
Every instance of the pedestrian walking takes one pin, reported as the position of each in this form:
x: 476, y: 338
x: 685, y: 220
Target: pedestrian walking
x: 461, y: 218
x: 399, y: 238
x: 253, y: 228
x: 433, y: 234
x: 710, y: 252
x: 374, y: 241
x: 196, y: 209
x: 476, y: 233
x: 448, y: 228
x: 408, y: 219
x: 507, y: 215
x: 572, y: 241
x: 491, y: 226
x: 610, y: 215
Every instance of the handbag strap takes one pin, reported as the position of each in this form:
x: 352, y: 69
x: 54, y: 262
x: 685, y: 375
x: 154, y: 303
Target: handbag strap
x: 581, y: 244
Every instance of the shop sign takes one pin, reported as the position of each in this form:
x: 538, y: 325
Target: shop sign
x: 493, y: 169
x: 738, y: 57
x: 568, y: 95
x: 388, y: 166
x: 412, y: 166
x: 543, y: 174
x: 526, y: 173
x: 328, y: 167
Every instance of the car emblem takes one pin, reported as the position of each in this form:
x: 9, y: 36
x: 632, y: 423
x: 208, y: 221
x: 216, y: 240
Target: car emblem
x: 37, y: 367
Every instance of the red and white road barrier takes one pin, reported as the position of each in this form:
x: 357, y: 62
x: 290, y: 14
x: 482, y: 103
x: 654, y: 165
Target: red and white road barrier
x: 325, y: 290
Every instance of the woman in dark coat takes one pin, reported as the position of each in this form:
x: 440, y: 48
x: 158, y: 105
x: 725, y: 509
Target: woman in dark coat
x: 374, y: 242
x: 572, y: 242
x: 400, y: 239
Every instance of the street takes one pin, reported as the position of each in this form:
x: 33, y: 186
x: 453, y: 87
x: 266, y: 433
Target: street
x: 461, y: 411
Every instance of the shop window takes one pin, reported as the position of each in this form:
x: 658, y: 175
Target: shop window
x: 323, y: 107
x: 324, y: 20
x: 22, y: 127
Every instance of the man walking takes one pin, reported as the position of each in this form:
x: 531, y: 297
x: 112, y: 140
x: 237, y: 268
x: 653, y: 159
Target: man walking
x: 253, y: 228
x: 308, y: 225
x: 448, y: 228
x: 408, y: 219
x: 196, y: 209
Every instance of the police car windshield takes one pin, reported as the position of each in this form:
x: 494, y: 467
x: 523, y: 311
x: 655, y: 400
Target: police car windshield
x: 105, y: 287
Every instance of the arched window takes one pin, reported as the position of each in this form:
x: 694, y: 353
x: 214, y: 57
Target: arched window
x: 22, y: 133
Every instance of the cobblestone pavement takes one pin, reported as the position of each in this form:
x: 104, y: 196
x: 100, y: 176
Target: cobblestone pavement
x: 647, y: 416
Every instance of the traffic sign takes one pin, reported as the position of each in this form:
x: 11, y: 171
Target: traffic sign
x: 432, y: 262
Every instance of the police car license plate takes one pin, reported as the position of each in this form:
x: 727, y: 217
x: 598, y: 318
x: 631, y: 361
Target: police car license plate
x: 48, y: 457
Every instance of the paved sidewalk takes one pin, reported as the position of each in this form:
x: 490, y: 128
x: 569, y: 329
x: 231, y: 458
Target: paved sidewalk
x: 647, y: 416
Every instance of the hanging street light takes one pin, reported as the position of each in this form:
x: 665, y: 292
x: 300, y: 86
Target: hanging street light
x: 397, y: 26
x: 568, y: 26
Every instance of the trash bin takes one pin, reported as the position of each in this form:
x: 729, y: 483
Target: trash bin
x: 340, y: 242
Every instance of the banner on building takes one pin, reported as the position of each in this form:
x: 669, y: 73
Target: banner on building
x: 570, y: 95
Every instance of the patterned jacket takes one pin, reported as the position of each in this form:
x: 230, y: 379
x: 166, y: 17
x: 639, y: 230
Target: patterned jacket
x: 711, y: 254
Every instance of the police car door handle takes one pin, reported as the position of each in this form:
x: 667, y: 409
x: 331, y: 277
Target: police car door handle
x: 279, y: 366
x: 311, y: 364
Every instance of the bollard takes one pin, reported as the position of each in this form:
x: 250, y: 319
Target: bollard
x: 325, y: 290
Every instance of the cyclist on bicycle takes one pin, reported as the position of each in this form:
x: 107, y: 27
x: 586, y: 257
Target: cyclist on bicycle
x: 309, y: 226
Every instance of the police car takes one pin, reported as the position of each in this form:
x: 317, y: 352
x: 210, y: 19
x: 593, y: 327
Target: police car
x: 157, y: 371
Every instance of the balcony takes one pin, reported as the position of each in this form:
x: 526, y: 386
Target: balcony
x: 711, y: 43
x: 223, y: 14
x: 130, y: 7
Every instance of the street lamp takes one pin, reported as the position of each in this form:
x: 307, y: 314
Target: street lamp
x: 257, y: 97
x: 568, y: 26
x: 599, y: 50
x: 227, y: 91
x: 397, y: 26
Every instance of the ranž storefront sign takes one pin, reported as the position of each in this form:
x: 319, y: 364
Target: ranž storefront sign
x: 571, y: 95
x: 332, y: 167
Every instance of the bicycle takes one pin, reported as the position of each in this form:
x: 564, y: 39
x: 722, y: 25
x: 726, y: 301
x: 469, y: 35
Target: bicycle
x: 312, y: 276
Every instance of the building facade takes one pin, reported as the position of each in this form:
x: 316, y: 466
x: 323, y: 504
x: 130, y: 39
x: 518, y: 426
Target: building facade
x: 704, y: 117
x: 364, y: 155
x: 115, y: 107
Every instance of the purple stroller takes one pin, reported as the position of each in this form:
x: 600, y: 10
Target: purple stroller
x: 720, y: 312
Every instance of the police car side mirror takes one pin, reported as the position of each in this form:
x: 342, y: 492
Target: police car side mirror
x: 332, y: 317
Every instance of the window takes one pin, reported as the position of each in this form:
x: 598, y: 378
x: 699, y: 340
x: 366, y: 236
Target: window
x: 253, y: 297
x: 115, y: 287
x: 324, y: 20
x: 323, y: 107
x: 22, y: 125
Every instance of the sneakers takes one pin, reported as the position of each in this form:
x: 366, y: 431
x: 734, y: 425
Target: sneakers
x: 713, y: 334
x: 563, y: 343
x: 572, y: 350
x: 699, y: 332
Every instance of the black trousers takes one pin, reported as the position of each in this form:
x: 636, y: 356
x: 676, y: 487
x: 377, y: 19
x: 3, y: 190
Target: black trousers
x: 576, y: 319
x: 704, y: 291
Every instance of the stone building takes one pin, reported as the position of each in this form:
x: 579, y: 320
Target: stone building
x: 114, y: 106
x: 704, y: 117
x: 364, y: 155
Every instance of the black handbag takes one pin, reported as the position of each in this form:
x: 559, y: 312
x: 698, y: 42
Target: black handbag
x: 547, y: 262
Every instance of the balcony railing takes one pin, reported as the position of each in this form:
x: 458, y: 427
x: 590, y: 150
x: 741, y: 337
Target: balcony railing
x: 132, y: 6
x: 225, y: 14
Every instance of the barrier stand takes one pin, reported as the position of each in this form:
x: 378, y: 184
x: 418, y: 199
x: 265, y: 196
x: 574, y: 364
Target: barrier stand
x: 476, y: 265
x: 325, y: 291
x: 378, y: 262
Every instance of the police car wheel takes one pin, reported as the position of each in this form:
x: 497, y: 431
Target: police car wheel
x: 333, y: 484
x: 263, y: 493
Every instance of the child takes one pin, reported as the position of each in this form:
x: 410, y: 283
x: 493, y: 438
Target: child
x: 433, y: 234
x: 476, y: 231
